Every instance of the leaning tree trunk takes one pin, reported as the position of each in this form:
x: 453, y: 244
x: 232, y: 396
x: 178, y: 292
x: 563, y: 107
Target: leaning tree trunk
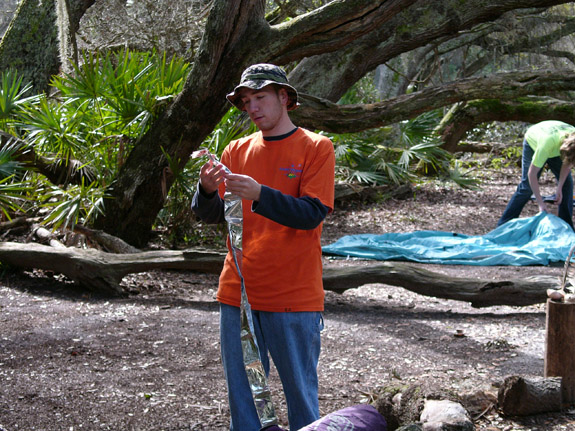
x: 465, y: 116
x: 31, y: 42
x: 138, y: 190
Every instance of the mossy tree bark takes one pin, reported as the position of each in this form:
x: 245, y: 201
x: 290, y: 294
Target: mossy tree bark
x: 31, y: 42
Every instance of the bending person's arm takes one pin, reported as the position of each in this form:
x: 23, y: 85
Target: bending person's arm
x: 534, y: 184
x: 565, y: 170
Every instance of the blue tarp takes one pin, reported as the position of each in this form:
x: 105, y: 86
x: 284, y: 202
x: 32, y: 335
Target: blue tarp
x: 537, y: 240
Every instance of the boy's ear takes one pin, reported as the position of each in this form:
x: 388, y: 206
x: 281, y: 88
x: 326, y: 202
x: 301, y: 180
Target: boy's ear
x: 284, y: 97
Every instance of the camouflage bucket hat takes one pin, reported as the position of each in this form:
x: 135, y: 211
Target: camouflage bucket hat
x: 257, y: 77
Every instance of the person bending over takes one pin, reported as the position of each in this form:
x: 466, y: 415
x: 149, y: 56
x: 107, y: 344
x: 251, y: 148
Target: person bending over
x: 548, y: 142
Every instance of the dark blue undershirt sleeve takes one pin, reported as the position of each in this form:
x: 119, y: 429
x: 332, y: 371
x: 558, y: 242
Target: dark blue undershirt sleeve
x: 208, y: 207
x: 298, y: 213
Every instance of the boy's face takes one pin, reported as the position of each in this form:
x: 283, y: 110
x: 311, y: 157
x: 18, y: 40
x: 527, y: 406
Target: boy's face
x: 266, y: 107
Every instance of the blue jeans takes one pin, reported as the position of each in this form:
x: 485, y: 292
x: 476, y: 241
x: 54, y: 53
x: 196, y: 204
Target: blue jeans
x: 293, y: 342
x: 523, y: 193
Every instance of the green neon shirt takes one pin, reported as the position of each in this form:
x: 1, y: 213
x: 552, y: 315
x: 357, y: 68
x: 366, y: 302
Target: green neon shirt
x: 545, y: 138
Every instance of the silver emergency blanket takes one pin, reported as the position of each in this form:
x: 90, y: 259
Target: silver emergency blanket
x: 252, y: 362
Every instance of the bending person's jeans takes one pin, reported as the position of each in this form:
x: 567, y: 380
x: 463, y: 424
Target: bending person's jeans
x: 523, y: 193
x: 293, y: 341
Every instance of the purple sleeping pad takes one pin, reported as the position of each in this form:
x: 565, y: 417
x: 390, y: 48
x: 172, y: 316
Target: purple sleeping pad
x: 362, y: 417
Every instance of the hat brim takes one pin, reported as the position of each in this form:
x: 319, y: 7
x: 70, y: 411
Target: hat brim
x: 235, y: 99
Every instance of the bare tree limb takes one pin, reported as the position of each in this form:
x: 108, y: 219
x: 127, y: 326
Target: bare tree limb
x: 325, y: 115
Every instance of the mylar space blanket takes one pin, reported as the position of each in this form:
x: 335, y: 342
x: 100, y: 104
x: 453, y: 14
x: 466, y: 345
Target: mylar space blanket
x: 537, y: 240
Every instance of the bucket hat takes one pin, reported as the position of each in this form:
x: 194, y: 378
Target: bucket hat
x: 257, y: 77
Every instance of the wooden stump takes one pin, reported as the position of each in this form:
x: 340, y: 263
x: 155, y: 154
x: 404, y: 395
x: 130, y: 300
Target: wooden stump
x: 560, y: 347
x: 520, y: 396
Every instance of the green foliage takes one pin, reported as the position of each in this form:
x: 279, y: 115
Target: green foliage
x: 76, y: 204
x: 94, y: 119
x: 461, y: 179
x: 235, y: 124
x: 395, y: 154
x: 12, y: 98
x: 363, y: 91
x: 52, y: 129
x: 509, y: 156
x: 12, y: 189
x: 120, y: 95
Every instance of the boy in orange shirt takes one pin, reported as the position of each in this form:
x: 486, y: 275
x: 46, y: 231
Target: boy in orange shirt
x: 285, y: 177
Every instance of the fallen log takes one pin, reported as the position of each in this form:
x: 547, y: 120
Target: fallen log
x: 521, y: 396
x: 108, y: 242
x: 16, y: 223
x: 100, y: 271
x: 480, y: 293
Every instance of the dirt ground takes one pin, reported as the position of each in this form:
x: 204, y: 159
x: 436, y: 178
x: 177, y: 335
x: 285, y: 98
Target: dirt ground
x: 70, y: 360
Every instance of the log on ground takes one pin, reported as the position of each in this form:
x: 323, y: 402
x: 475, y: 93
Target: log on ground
x: 479, y: 292
x: 522, y: 396
x: 100, y: 271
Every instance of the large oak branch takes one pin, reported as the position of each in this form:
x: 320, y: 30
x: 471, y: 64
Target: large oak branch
x: 426, y: 23
x: 322, y: 114
x: 100, y: 271
x: 331, y: 27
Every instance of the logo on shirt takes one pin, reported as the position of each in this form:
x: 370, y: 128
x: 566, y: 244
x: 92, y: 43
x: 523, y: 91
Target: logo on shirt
x: 292, y: 171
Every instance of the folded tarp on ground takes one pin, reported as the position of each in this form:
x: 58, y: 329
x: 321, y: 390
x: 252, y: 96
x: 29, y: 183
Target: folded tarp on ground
x: 537, y: 240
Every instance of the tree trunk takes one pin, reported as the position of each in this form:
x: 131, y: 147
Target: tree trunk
x: 138, y: 190
x: 465, y: 116
x: 31, y: 42
x: 560, y: 346
x: 101, y: 271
